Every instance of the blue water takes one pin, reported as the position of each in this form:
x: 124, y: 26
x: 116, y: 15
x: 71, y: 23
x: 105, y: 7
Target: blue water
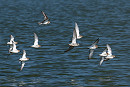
x: 49, y: 66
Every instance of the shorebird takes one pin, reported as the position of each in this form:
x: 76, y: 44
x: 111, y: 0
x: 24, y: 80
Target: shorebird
x: 77, y: 31
x: 109, y: 53
x: 46, y: 20
x: 11, y: 40
x: 35, y: 41
x: 106, y: 55
x: 92, y: 47
x: 73, y: 43
x: 23, y: 59
x: 13, y: 48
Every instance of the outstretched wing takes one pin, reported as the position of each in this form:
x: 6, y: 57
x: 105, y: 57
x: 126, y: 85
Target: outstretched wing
x: 71, y: 47
x: 90, y: 54
x: 105, y: 52
x: 22, y: 65
x: 35, y: 39
x: 95, y: 42
x: 12, y: 38
x: 101, y: 60
x: 14, y: 45
x: 24, y: 54
x: 74, y: 36
x: 109, y: 50
x: 77, y: 29
x: 45, y: 16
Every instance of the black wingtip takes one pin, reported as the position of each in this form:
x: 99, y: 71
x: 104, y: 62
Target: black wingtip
x: 71, y: 47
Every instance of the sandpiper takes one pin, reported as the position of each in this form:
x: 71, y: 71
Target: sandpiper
x: 23, y: 59
x: 73, y: 43
x: 46, y: 20
x: 92, y: 47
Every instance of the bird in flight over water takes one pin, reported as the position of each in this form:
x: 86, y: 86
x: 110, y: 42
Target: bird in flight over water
x: 46, y: 20
x: 73, y: 43
x: 92, y: 48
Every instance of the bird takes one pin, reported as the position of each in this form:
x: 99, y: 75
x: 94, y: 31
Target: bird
x: 73, y: 43
x: 109, y: 53
x: 13, y: 48
x: 23, y: 59
x: 46, y: 20
x: 106, y: 54
x: 77, y: 31
x: 35, y: 41
x: 103, y: 55
x: 11, y: 39
x: 92, y: 47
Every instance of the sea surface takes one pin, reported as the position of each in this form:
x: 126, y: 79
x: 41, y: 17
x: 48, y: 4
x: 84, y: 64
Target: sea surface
x: 49, y: 65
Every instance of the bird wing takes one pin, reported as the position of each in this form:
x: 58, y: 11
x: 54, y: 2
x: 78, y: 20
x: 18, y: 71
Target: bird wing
x: 77, y: 29
x: 102, y: 60
x: 45, y: 16
x: 24, y: 54
x: 22, y: 65
x: 74, y: 36
x: 35, y: 39
x: 109, y: 50
x: 71, y: 47
x: 90, y: 53
x: 14, y: 46
x: 105, y: 51
x: 95, y: 42
x: 12, y: 38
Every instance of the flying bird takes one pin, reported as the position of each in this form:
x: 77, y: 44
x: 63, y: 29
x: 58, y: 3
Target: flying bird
x: 77, y: 31
x: 23, y: 59
x: 92, y: 48
x: 106, y: 54
x: 35, y: 41
x: 73, y: 43
x: 46, y: 20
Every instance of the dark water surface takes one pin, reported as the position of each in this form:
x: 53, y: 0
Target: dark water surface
x: 49, y: 66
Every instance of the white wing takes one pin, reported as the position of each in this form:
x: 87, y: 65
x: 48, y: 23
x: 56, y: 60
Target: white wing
x: 104, y: 52
x: 12, y: 38
x: 74, y: 36
x: 11, y: 47
x: 35, y: 39
x: 102, y: 60
x: 77, y: 29
x: 24, y: 54
x: 14, y: 46
x: 22, y: 65
x: 90, y: 54
x: 109, y: 50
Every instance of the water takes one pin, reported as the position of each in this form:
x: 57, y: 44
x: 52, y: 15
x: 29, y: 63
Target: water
x: 49, y: 66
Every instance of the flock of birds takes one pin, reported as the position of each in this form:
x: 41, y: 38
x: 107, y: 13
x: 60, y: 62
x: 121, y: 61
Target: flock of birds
x: 105, y: 55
